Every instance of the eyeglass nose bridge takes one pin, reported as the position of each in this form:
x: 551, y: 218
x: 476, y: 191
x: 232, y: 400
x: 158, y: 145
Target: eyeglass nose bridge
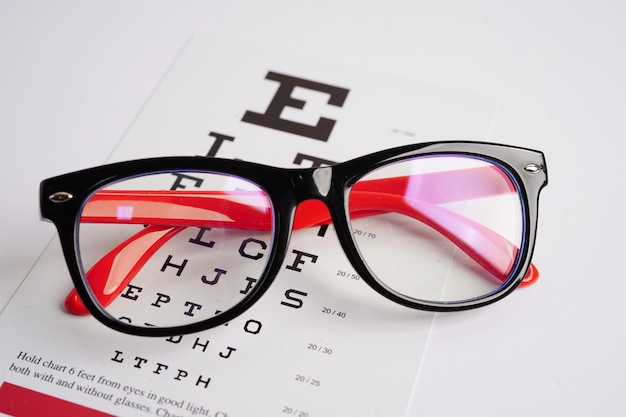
x: 312, y: 183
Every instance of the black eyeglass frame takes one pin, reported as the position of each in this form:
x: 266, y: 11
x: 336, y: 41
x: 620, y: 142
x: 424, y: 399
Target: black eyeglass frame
x: 62, y: 199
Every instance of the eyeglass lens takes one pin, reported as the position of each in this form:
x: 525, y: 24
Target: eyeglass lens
x: 159, y: 257
x: 440, y: 228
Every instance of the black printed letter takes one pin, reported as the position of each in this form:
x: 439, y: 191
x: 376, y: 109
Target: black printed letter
x: 297, y: 302
x: 244, y: 246
x: 272, y: 116
x: 219, y: 139
x: 299, y: 261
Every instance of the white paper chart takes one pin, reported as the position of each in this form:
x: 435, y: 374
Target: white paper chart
x: 320, y: 342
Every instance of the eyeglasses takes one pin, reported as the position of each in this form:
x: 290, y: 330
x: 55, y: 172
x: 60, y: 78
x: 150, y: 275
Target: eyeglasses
x: 174, y: 245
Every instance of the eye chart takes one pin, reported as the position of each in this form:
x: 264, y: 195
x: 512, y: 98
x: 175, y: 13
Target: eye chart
x: 320, y: 342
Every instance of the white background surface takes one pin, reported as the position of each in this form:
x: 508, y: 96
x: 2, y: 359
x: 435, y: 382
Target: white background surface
x: 73, y: 75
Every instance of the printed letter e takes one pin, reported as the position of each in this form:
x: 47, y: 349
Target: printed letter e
x: 272, y: 116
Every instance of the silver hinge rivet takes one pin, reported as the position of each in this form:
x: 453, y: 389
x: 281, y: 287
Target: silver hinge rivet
x: 60, y: 197
x: 533, y: 168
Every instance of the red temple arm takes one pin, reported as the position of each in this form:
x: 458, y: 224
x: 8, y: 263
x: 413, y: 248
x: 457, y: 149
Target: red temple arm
x: 169, y: 212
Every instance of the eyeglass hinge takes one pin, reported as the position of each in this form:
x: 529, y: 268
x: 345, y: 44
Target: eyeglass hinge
x: 60, y: 197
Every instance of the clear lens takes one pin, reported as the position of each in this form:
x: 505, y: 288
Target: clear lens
x: 172, y: 249
x: 439, y: 228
